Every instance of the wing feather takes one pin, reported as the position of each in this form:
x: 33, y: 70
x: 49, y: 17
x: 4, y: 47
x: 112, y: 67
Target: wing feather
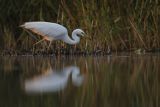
x: 46, y: 29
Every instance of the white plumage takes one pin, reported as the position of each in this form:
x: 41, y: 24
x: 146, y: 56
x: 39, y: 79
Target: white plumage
x: 53, y: 31
x: 54, y: 81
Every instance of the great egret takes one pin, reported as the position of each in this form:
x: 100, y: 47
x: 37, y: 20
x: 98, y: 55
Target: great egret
x: 54, y: 81
x: 53, y: 31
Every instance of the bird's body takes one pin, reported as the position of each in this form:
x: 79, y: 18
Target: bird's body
x: 46, y: 29
x: 53, y: 31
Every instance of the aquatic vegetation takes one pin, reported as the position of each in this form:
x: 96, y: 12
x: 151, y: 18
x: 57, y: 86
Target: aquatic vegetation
x: 121, y: 25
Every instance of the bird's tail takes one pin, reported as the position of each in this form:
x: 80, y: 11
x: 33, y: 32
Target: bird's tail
x: 23, y: 26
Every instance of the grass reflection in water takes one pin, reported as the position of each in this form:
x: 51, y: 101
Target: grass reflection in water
x: 107, y: 81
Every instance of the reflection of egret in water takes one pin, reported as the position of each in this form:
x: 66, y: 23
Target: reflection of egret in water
x: 54, y: 81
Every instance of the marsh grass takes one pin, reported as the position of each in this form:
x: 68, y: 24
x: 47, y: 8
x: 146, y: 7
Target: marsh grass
x: 121, y: 25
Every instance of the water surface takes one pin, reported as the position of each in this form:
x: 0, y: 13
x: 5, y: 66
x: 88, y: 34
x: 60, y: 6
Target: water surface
x: 95, y: 81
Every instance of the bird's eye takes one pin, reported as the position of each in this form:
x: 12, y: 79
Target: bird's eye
x: 79, y: 35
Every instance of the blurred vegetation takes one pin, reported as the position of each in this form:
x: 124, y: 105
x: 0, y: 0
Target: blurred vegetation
x: 121, y: 25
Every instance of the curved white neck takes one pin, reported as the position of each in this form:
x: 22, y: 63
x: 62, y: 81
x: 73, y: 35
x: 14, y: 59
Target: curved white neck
x: 71, y: 70
x: 77, y: 79
x: 75, y: 39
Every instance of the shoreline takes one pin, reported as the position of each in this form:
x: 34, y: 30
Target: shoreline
x: 73, y: 53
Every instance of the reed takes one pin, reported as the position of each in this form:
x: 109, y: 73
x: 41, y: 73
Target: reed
x: 121, y: 25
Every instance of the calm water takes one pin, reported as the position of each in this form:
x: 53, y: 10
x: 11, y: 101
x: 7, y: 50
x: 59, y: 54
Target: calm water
x: 109, y: 81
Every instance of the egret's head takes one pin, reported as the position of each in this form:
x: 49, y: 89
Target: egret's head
x: 79, y: 32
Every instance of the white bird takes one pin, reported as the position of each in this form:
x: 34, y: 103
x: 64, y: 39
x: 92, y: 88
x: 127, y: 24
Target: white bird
x: 53, y: 31
x: 54, y: 81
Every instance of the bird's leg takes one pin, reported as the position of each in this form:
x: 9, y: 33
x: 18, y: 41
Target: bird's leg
x: 49, y: 45
x: 38, y: 42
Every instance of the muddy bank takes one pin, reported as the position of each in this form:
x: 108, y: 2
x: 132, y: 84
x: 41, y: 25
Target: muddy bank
x: 71, y: 52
